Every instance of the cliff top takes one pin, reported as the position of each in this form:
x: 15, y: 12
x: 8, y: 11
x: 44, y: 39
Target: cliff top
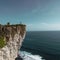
x: 8, y: 24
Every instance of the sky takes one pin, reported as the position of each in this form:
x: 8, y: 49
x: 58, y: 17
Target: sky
x: 38, y: 15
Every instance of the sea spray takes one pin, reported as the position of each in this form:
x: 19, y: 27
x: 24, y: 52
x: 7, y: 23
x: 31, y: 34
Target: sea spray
x: 28, y: 56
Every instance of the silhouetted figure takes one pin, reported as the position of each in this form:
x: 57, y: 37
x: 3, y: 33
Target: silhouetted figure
x: 8, y: 23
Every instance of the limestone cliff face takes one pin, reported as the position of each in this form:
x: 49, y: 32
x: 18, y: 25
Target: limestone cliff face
x: 13, y: 36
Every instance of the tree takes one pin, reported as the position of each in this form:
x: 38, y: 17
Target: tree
x: 8, y: 23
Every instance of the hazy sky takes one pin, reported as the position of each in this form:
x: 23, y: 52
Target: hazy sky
x: 36, y: 14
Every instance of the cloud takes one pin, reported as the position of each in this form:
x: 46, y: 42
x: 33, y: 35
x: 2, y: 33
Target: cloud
x: 43, y: 26
x: 47, y: 26
x: 36, y: 9
x: 43, y: 23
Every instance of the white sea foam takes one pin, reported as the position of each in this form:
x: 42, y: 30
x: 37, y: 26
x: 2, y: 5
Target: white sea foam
x: 28, y: 56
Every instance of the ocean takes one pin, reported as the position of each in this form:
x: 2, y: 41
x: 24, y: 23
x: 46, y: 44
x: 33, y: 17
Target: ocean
x: 41, y: 45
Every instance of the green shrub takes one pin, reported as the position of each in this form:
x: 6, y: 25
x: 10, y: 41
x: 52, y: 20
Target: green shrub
x: 2, y: 42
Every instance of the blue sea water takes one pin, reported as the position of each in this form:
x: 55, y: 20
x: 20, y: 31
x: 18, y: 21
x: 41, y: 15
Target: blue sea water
x: 42, y: 45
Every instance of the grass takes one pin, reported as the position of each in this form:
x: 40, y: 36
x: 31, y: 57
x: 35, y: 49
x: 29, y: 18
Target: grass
x: 2, y: 42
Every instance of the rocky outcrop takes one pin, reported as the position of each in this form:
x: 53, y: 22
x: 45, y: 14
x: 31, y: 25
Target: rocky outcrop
x: 13, y: 35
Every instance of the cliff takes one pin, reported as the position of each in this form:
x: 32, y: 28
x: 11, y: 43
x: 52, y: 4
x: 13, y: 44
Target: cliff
x: 11, y: 38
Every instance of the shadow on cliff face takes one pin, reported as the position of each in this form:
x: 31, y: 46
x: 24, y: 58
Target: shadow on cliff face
x: 18, y: 58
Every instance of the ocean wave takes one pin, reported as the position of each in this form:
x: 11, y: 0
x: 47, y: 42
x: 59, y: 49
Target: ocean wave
x: 28, y: 56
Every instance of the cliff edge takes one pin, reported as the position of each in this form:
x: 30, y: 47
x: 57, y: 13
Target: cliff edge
x: 11, y: 38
